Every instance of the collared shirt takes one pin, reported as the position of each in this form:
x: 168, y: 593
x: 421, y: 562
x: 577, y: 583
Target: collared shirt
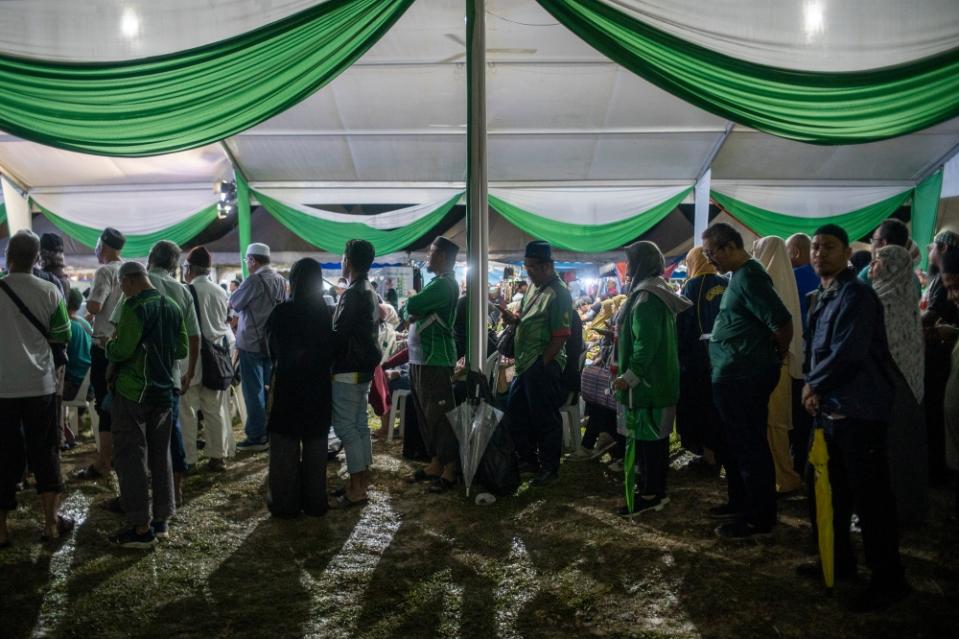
x: 742, y: 339
x: 847, y: 355
x: 431, y: 334
x: 106, y: 292
x: 26, y: 362
x: 545, y: 314
x: 254, y: 300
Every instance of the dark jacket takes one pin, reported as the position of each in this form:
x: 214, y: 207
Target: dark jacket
x: 847, y: 355
x: 574, y: 352
x: 355, y: 332
x: 300, y: 338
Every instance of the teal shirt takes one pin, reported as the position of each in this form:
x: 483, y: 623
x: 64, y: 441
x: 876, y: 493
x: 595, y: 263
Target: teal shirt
x: 78, y: 351
x: 742, y: 339
x: 545, y: 314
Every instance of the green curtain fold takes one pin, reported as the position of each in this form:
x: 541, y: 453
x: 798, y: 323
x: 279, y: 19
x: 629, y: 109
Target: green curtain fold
x: 136, y: 245
x: 857, y: 224
x: 190, y: 98
x: 586, y: 238
x: 3, y: 212
x: 817, y: 107
x: 925, y: 211
x: 332, y: 236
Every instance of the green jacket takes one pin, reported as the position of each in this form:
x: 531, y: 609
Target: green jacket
x: 434, y: 309
x: 150, y: 337
x: 648, y: 356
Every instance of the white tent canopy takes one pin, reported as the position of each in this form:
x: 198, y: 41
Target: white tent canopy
x: 391, y: 129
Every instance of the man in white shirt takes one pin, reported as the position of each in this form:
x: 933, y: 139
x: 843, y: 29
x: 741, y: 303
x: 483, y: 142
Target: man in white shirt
x: 213, y: 307
x: 104, y: 296
x: 32, y: 314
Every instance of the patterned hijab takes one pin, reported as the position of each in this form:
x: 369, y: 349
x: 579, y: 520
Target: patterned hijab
x: 892, y: 279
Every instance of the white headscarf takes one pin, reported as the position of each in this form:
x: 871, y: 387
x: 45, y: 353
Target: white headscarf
x: 772, y: 254
x: 893, y: 281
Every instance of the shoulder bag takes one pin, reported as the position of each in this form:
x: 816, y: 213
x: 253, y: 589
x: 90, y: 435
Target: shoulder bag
x: 216, y: 364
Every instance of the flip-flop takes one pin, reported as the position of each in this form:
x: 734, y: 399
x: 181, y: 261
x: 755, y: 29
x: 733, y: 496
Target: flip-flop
x: 440, y: 485
x: 64, y: 525
x: 343, y: 502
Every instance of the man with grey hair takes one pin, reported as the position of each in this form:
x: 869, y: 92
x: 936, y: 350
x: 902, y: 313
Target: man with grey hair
x: 254, y: 300
x: 150, y: 338
x: 33, y: 315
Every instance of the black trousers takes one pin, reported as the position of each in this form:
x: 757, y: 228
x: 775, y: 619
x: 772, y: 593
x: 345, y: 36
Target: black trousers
x: 533, y: 415
x: 743, y: 405
x: 29, y: 431
x: 297, y: 479
x: 652, y: 459
x: 859, y: 477
x: 98, y: 379
x: 802, y: 425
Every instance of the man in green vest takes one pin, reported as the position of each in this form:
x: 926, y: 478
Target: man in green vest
x: 432, y: 356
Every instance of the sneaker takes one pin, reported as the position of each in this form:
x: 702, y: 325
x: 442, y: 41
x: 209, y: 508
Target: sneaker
x: 740, y: 529
x: 130, y: 538
x: 218, y: 465
x: 876, y: 598
x: 643, y: 505
x: 544, y: 477
x: 254, y: 445
x: 723, y: 512
x: 160, y: 529
x: 604, y: 443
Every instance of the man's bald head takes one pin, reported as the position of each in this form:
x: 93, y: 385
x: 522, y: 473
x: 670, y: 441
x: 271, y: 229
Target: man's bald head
x: 22, y: 251
x: 798, y: 246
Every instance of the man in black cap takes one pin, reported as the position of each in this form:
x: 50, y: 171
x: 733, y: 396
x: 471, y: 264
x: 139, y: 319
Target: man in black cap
x: 51, y: 262
x: 848, y: 389
x: 105, y: 293
x: 542, y: 327
x: 432, y: 349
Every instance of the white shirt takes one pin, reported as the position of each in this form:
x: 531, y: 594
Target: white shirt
x: 26, y: 363
x: 214, y: 306
x: 105, y: 290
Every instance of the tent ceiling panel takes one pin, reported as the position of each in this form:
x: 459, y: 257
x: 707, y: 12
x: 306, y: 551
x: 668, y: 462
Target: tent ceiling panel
x: 344, y: 157
x: 752, y: 155
x: 42, y: 166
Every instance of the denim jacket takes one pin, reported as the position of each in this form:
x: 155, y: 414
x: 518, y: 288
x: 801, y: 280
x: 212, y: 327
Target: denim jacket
x: 847, y: 356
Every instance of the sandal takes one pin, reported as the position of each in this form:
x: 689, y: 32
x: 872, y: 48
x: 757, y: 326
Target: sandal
x: 64, y: 525
x: 90, y: 472
x: 440, y: 485
x: 343, y: 502
x: 420, y: 475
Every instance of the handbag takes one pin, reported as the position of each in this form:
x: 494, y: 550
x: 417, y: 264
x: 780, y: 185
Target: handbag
x: 216, y: 363
x: 596, y: 381
x: 59, y: 350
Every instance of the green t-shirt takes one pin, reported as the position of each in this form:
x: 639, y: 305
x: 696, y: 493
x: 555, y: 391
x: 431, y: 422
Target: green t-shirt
x: 742, y: 341
x: 431, y: 335
x: 545, y: 314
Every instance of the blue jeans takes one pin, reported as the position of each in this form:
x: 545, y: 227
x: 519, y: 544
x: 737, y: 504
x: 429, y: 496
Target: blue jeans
x: 255, y: 371
x: 177, y: 451
x: 350, y: 424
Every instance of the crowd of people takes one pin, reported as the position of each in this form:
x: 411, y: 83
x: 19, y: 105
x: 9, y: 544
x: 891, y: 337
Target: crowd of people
x: 758, y: 348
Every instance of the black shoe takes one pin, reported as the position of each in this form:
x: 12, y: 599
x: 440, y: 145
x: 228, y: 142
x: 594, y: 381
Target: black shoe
x: 724, y: 512
x: 114, y: 506
x: 130, y: 538
x: 544, y: 477
x: 740, y: 529
x: 877, y: 597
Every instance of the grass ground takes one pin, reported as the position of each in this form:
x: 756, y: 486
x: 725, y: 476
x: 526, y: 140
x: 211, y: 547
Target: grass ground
x: 552, y: 562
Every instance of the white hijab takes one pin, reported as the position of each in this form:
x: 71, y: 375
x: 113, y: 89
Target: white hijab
x: 772, y: 254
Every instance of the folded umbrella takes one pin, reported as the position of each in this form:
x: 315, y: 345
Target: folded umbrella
x: 819, y: 458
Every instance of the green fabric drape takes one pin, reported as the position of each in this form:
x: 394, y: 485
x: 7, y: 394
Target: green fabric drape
x: 819, y: 107
x: 586, y: 238
x: 857, y: 224
x: 136, y: 245
x: 190, y: 98
x: 3, y: 212
x: 243, y: 219
x: 332, y: 236
x: 925, y: 211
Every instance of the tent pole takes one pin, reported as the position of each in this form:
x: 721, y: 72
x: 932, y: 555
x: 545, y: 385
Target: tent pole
x: 703, y: 179
x: 476, y: 187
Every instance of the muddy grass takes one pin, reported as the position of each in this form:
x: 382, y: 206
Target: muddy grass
x: 551, y: 562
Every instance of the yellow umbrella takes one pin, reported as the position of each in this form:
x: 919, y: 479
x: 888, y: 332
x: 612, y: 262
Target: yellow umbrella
x: 819, y: 458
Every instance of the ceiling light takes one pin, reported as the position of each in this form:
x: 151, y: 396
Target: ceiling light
x: 814, y: 21
x: 129, y: 23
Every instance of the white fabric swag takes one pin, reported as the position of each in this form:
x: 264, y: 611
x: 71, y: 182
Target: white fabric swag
x: 383, y: 221
x: 809, y: 201
x: 135, y: 212
x: 588, y: 205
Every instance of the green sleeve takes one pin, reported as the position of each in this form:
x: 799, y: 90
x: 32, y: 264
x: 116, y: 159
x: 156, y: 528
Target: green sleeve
x: 647, y: 323
x: 432, y: 298
x: 127, y: 337
x: 763, y: 301
x: 560, y: 309
x: 60, y: 329
x: 183, y: 341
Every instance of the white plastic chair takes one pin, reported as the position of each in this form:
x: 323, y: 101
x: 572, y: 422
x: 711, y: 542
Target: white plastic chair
x: 491, y: 370
x: 236, y: 405
x: 571, y: 412
x: 72, y: 410
x: 397, y: 405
